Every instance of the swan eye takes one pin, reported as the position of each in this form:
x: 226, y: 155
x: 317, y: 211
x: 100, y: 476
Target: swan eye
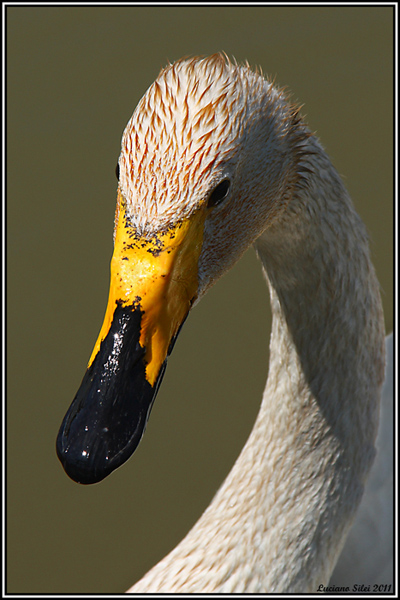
x: 219, y: 193
x: 117, y: 171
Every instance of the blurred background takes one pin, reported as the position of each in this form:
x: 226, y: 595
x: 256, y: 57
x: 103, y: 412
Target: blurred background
x: 74, y: 77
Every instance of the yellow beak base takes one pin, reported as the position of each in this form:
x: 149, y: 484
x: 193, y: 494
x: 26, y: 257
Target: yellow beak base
x: 160, y: 276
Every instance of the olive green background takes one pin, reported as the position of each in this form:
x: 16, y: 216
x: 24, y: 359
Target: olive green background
x: 74, y: 77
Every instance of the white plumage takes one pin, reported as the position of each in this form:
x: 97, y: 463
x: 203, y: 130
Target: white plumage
x: 279, y: 521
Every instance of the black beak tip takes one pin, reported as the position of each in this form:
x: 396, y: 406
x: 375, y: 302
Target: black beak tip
x: 80, y: 464
x: 108, y: 416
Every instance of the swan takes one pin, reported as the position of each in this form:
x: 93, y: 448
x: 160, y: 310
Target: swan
x: 216, y: 158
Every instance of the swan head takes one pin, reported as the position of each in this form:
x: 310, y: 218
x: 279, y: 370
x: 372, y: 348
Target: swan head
x: 204, y: 127
x: 209, y: 158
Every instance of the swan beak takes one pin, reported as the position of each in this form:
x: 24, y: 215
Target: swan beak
x: 152, y: 287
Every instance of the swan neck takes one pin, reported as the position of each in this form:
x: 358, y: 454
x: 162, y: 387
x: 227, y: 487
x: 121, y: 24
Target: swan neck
x: 328, y: 331
x: 319, y: 413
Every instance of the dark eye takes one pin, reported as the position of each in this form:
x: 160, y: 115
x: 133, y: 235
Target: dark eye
x: 117, y: 171
x: 219, y: 193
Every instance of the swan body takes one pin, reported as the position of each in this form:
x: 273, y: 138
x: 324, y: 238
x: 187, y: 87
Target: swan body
x: 367, y: 555
x: 214, y: 159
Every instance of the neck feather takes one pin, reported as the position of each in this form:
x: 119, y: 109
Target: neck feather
x: 321, y: 402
